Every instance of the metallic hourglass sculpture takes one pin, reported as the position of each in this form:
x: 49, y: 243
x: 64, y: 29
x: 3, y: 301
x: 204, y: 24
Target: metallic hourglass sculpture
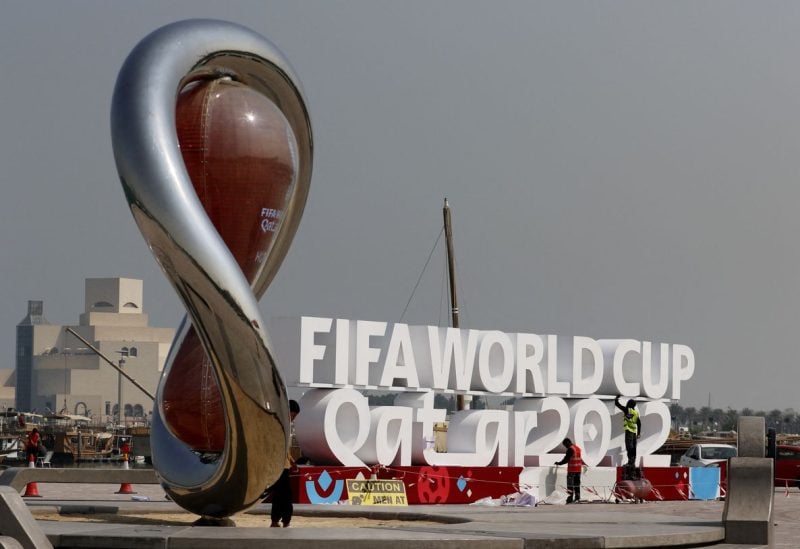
x: 213, y: 146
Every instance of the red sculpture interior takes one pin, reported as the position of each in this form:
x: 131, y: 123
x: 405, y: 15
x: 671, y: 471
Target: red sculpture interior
x: 239, y: 151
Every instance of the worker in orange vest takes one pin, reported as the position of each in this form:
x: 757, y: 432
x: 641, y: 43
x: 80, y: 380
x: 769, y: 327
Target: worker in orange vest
x: 32, y: 445
x: 125, y: 449
x: 574, y: 461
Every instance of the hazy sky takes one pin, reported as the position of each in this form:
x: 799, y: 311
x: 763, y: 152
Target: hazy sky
x: 616, y: 169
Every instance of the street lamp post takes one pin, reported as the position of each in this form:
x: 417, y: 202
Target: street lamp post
x: 66, y: 350
x: 119, y: 392
x: 123, y: 354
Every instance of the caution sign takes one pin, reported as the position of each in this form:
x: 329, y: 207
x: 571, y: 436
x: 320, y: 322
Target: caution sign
x: 376, y: 492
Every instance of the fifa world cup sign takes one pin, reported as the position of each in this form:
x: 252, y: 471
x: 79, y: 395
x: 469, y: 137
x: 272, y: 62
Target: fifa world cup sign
x: 213, y: 146
x: 560, y: 386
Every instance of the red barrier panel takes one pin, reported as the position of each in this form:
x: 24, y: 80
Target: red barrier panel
x: 424, y: 484
x: 461, y: 485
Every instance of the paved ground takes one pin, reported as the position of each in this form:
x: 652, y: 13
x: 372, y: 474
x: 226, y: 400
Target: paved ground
x: 585, y: 525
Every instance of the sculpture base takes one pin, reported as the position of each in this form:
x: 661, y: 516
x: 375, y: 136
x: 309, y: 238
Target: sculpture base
x: 212, y: 521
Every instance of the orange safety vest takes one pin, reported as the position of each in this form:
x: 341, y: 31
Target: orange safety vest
x: 575, y: 462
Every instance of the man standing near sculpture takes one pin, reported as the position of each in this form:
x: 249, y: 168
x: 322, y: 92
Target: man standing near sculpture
x: 574, y: 462
x: 633, y: 428
x: 282, y: 508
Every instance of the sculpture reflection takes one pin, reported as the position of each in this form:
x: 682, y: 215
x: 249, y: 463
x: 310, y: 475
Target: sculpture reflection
x: 218, y: 201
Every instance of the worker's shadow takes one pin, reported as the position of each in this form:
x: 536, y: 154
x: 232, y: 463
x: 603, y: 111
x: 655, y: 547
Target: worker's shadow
x: 551, y: 482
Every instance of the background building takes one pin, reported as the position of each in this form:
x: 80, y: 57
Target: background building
x: 56, y: 372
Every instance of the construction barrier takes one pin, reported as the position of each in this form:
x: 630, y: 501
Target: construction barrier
x: 125, y: 487
x: 31, y: 489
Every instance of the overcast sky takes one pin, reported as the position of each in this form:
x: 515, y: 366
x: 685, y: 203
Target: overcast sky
x: 616, y: 169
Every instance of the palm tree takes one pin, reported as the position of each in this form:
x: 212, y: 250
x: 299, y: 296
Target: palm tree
x: 705, y: 416
x: 676, y: 412
x: 690, y: 415
x: 730, y: 420
x: 773, y: 420
x: 794, y: 424
x: 716, y: 419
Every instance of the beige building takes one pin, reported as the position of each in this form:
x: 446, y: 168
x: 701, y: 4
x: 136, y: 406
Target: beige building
x: 7, y: 383
x: 56, y: 372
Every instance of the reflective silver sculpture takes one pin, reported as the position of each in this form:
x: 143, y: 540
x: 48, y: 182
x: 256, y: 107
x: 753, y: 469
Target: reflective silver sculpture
x: 220, y: 299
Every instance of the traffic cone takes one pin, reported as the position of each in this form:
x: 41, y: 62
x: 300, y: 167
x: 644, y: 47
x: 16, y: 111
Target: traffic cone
x: 125, y: 487
x: 31, y: 489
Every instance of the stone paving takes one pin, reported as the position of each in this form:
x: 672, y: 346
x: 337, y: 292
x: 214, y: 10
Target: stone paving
x: 588, y: 525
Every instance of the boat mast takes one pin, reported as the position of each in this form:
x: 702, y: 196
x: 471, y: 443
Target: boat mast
x: 462, y: 401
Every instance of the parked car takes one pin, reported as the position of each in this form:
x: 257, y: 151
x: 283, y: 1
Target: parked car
x: 707, y: 455
x: 787, y: 465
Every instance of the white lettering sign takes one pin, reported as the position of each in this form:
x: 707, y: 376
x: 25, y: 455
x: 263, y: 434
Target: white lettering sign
x: 563, y: 387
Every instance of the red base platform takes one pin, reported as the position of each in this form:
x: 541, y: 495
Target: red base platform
x: 424, y: 485
x: 460, y: 485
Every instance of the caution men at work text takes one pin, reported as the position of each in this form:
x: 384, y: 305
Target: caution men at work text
x: 376, y: 492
